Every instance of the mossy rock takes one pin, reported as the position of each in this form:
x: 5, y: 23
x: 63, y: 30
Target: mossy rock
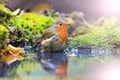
x: 32, y: 24
x: 105, y: 34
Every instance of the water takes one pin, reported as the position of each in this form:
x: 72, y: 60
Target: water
x: 59, y: 66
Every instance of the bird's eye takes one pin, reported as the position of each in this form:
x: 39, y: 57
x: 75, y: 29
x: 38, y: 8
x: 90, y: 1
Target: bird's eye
x: 60, y: 24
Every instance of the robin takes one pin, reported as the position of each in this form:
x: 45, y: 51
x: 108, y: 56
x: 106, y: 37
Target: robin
x: 54, y: 38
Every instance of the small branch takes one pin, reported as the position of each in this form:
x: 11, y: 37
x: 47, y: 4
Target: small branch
x: 7, y: 5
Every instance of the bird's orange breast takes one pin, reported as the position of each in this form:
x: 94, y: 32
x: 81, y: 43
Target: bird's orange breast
x: 62, y: 33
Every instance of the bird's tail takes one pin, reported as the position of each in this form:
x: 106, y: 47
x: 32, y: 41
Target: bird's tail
x: 35, y: 44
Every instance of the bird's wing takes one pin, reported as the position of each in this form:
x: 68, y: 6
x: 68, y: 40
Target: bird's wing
x: 47, y: 34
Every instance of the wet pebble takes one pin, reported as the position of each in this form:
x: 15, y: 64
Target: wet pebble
x: 26, y: 48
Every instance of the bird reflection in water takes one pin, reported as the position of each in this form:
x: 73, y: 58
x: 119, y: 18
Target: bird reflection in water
x: 55, y: 64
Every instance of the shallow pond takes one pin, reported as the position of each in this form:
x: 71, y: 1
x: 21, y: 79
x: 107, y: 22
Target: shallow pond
x: 59, y: 66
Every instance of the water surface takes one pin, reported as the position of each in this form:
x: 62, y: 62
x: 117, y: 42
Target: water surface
x: 60, y: 66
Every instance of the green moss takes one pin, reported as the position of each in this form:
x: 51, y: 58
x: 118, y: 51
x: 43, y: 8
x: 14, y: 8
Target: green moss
x: 32, y: 24
x: 3, y: 35
x: 105, y: 34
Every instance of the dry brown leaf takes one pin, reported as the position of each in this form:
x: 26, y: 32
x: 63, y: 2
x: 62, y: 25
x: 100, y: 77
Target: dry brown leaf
x: 15, y: 51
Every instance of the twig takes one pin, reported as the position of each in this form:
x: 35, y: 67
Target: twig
x: 7, y: 6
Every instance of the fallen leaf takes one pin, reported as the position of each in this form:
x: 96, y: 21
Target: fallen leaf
x: 14, y: 51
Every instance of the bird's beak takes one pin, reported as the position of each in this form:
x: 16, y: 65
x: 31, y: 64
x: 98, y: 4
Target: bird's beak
x: 68, y: 24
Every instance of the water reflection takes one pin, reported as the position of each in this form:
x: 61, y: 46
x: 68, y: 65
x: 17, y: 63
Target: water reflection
x: 8, y: 71
x: 55, y: 64
x: 18, y: 70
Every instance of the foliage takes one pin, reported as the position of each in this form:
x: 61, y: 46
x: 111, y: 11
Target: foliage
x: 3, y: 35
x: 33, y: 24
x: 103, y: 34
